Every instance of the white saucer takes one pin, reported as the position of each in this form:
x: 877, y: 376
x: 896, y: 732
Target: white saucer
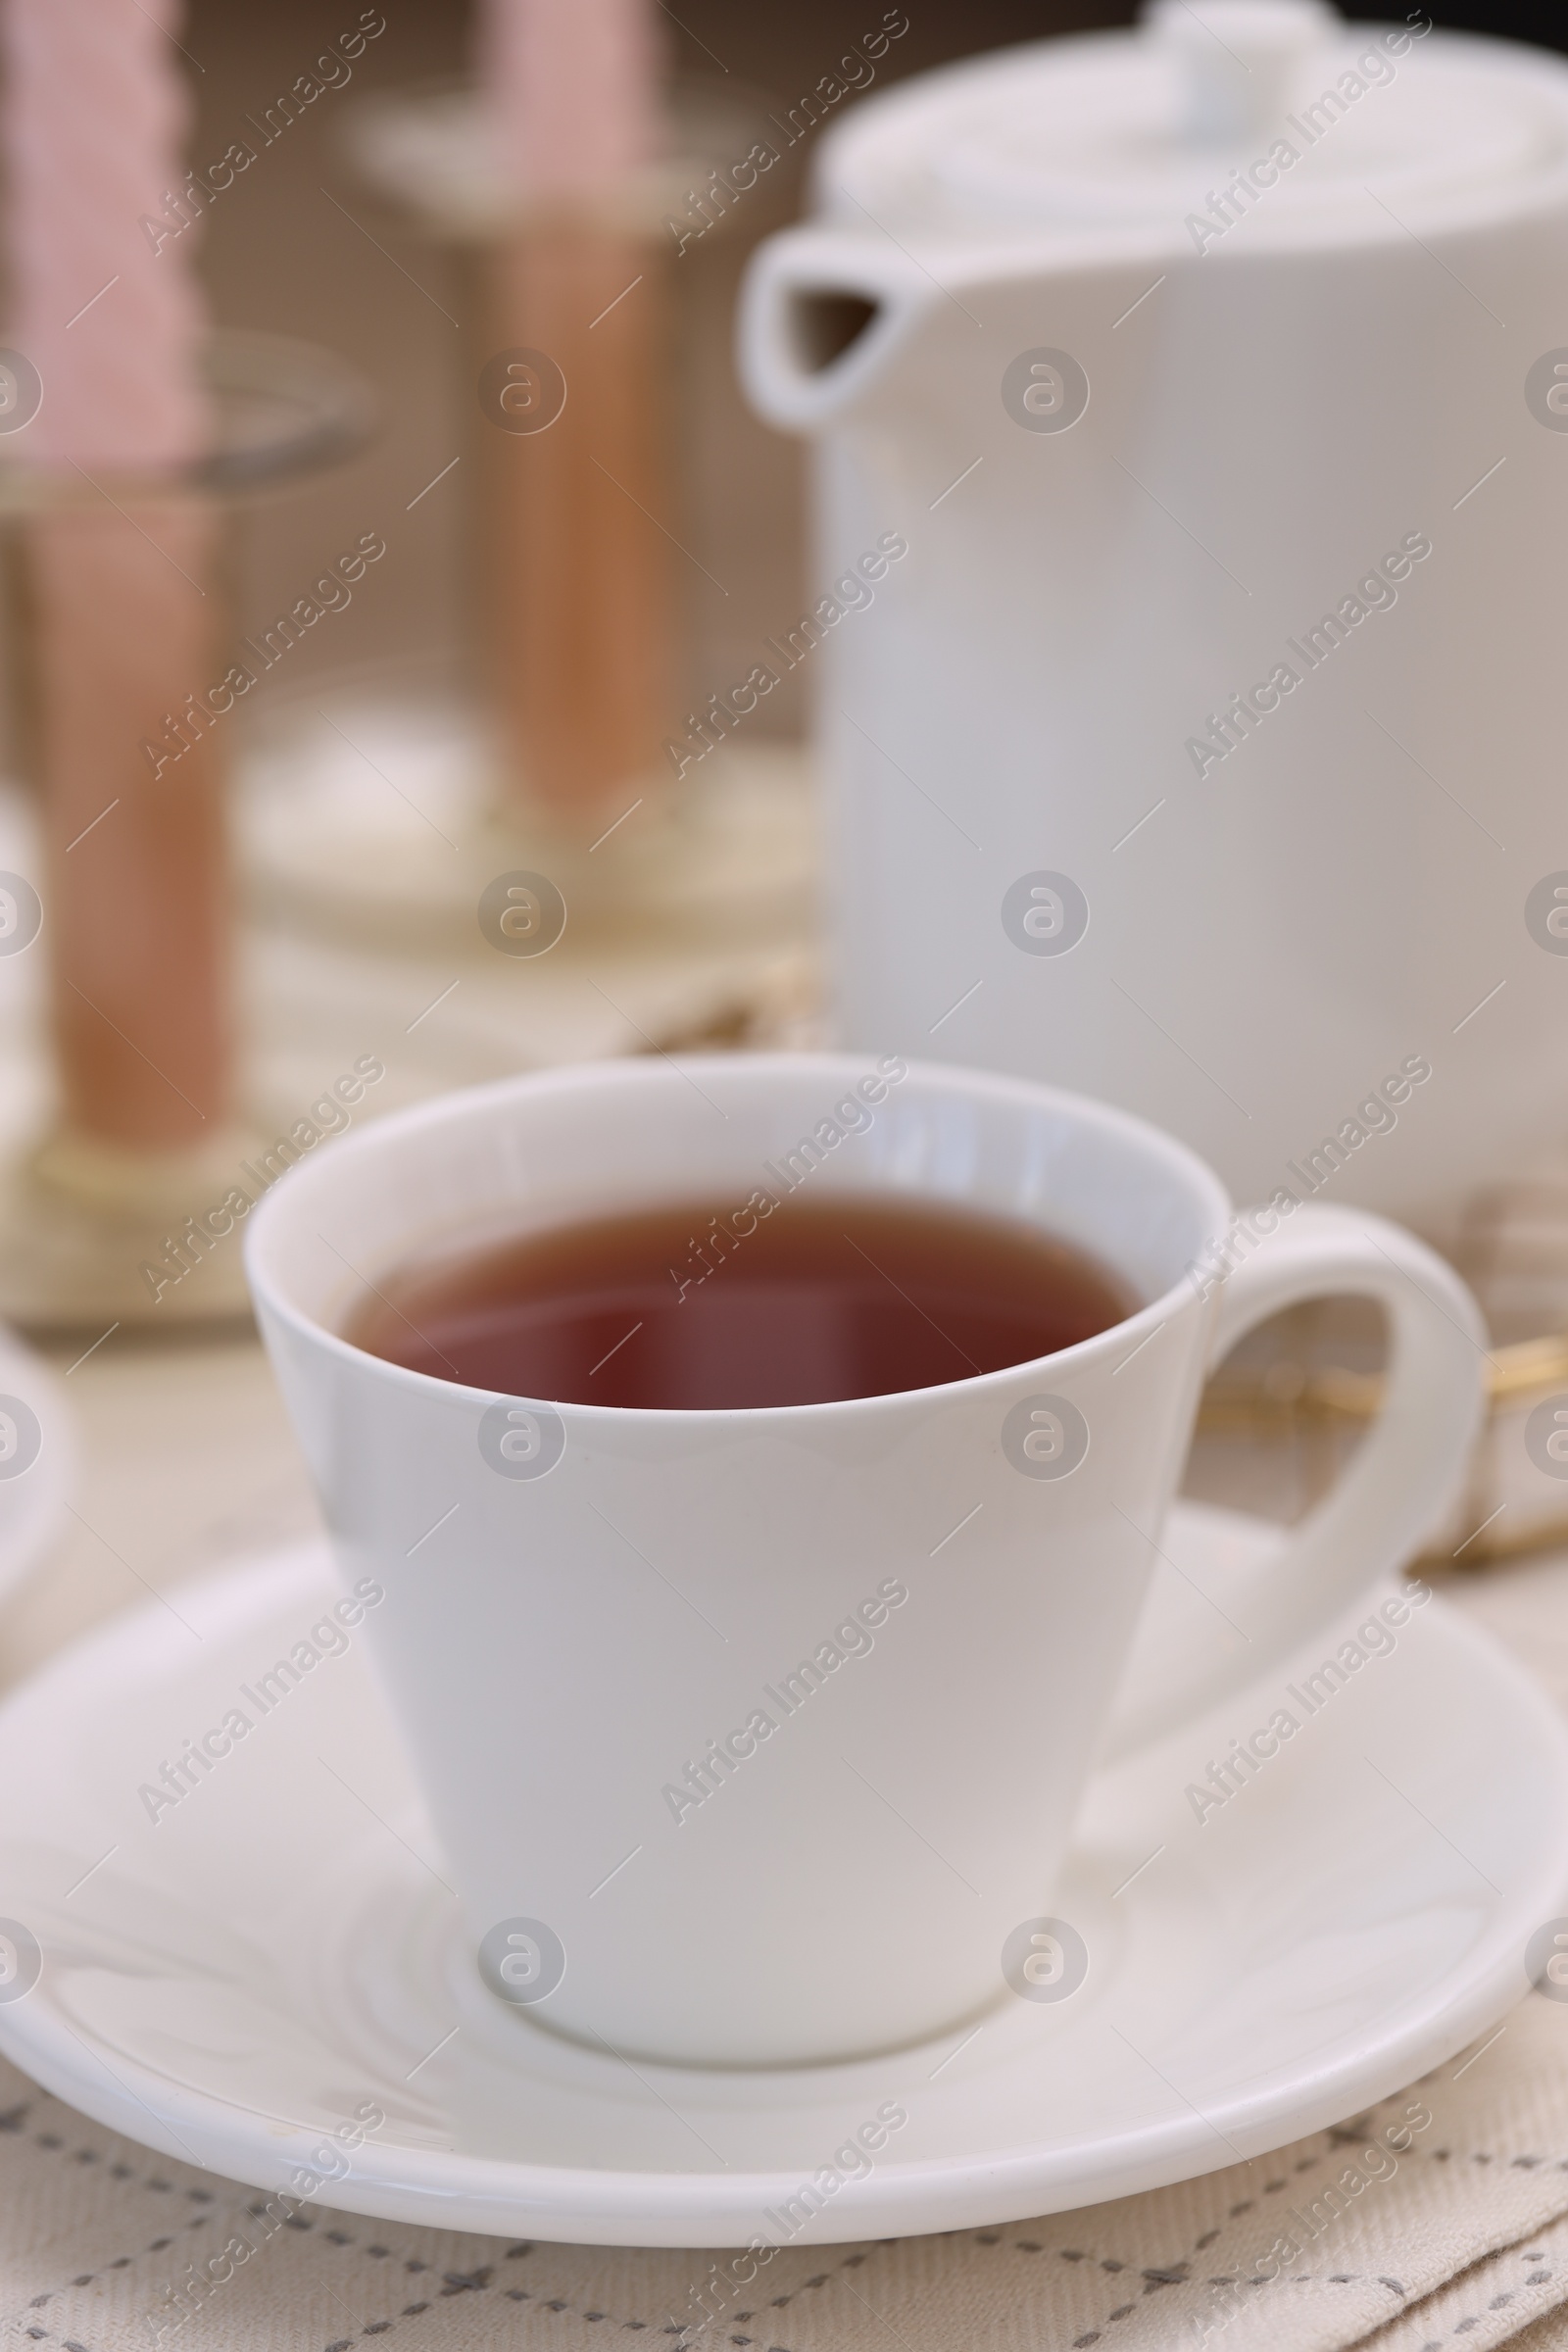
x: 32, y: 1502
x: 231, y: 1983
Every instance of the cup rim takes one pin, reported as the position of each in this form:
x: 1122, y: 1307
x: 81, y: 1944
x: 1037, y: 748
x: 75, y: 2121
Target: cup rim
x: 269, y: 1296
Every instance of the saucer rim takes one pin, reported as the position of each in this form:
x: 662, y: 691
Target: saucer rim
x: 25, y: 1548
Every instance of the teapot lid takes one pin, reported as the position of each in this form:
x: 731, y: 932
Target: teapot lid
x: 1275, y: 113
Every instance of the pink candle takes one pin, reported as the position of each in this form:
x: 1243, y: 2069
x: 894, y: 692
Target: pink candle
x: 125, y: 618
x: 579, y: 596
x: 92, y: 115
x: 572, y: 88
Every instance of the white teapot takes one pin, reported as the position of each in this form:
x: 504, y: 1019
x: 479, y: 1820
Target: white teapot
x: 1204, y: 749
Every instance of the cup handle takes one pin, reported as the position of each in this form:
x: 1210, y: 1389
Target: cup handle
x: 1409, y: 1470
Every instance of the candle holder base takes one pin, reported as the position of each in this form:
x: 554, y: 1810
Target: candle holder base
x: 92, y: 1235
x: 382, y: 821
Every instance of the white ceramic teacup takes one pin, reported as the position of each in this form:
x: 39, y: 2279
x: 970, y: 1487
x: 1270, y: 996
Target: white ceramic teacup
x: 755, y: 1737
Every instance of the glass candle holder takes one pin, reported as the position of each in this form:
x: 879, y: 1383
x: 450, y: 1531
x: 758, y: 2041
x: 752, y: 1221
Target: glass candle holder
x: 124, y: 673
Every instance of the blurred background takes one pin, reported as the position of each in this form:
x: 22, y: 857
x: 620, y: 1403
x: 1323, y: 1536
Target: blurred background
x: 276, y: 255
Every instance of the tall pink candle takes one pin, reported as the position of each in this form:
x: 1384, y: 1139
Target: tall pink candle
x: 578, y: 597
x: 91, y: 115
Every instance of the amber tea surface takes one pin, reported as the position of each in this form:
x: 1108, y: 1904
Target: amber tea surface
x: 697, y: 1305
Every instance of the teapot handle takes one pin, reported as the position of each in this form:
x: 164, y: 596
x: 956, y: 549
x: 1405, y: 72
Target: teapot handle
x: 822, y: 312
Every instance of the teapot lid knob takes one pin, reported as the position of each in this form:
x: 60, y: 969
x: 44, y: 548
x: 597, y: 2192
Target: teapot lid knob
x: 1239, y: 60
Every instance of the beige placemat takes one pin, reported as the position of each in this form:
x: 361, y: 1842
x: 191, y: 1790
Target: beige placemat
x: 1437, y: 2219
